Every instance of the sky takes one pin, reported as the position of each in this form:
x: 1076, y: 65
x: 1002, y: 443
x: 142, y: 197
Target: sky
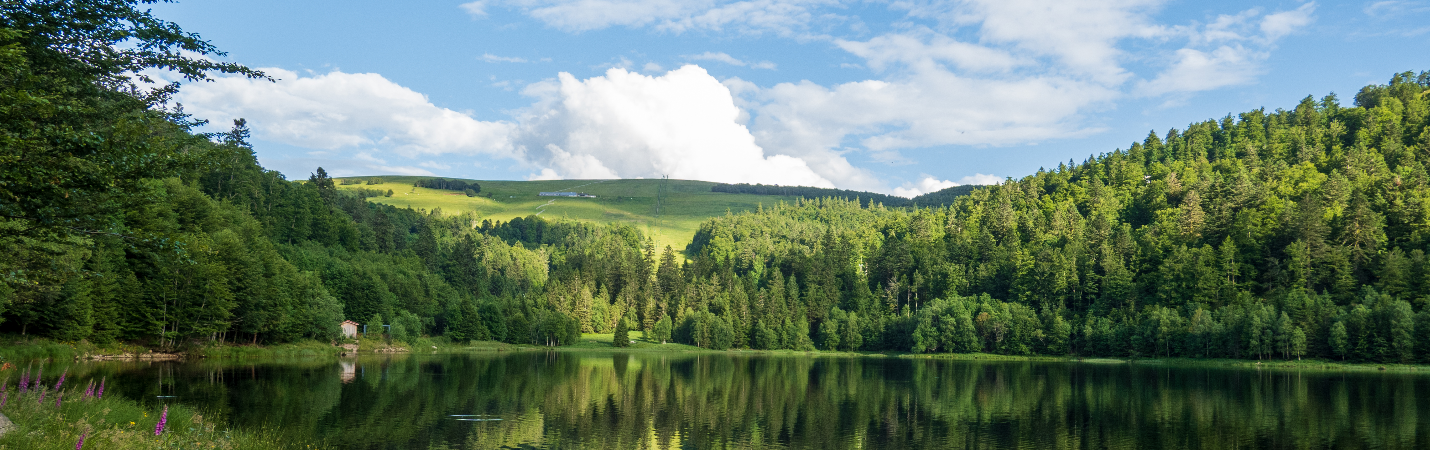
x: 901, y: 97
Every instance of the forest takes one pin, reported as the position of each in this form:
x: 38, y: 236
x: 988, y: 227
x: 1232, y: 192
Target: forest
x: 1263, y: 235
x: 449, y: 185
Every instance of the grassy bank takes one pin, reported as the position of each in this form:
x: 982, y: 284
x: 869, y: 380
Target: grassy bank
x: 21, y: 350
x: 598, y: 341
x: 17, y: 349
x: 603, y: 342
x: 51, y: 419
x: 1306, y: 364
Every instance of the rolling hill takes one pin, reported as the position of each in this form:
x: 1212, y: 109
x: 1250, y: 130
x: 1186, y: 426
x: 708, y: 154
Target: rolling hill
x: 685, y: 203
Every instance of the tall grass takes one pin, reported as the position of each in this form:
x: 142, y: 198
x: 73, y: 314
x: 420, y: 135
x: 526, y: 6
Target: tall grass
x: 20, y: 350
x: 16, y: 349
x: 77, y: 411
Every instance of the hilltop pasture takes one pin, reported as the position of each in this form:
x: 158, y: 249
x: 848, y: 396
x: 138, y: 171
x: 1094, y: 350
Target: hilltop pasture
x: 685, y: 203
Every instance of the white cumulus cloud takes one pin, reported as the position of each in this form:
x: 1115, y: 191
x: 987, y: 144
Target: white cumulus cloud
x: 980, y: 179
x: 684, y: 124
x: 627, y: 125
x: 930, y: 184
x: 924, y: 186
x: 344, y: 110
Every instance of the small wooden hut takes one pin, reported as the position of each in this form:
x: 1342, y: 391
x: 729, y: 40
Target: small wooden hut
x: 350, y: 329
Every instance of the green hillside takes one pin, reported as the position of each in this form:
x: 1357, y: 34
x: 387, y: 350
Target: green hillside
x: 685, y: 203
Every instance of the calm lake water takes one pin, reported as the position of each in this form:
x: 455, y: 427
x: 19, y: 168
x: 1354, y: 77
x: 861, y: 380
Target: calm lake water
x: 645, y: 400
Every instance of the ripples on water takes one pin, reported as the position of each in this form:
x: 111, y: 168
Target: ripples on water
x: 636, y: 400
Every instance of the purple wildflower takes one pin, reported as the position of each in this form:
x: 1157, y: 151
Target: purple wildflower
x: 89, y: 390
x: 41, y: 401
x: 38, y: 375
x: 82, y: 435
x: 25, y: 380
x: 59, y: 397
x: 159, y: 429
x: 100, y: 394
x: 3, y: 397
x: 62, y: 379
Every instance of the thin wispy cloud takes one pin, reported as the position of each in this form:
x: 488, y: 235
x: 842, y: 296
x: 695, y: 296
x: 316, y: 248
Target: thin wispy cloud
x: 727, y: 59
x: 779, y: 17
x: 1229, y: 51
x: 488, y: 57
x: 1392, y: 8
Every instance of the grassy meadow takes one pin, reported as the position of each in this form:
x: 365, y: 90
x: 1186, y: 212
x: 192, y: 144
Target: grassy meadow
x: 686, y: 203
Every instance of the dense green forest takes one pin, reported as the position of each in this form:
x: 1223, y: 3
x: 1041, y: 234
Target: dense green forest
x: 1276, y: 234
x: 1262, y: 235
x: 449, y: 185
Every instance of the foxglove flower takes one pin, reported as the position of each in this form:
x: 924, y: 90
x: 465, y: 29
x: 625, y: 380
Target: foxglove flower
x: 89, y: 390
x: 41, y: 401
x: 38, y: 375
x: 62, y: 379
x: 159, y: 429
x: 25, y: 381
x: 59, y: 397
x: 3, y: 397
x: 82, y: 435
x: 100, y: 394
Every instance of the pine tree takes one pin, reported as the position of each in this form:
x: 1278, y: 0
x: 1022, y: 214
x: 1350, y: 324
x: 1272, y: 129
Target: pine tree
x: 621, y: 338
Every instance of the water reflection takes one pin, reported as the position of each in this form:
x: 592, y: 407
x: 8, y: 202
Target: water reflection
x: 348, y: 370
x: 656, y: 401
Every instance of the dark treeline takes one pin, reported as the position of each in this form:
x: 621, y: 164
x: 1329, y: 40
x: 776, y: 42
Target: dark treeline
x: 939, y: 198
x: 865, y: 198
x: 944, y: 196
x: 449, y: 185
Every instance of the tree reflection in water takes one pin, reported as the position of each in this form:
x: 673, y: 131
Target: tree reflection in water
x: 715, y: 400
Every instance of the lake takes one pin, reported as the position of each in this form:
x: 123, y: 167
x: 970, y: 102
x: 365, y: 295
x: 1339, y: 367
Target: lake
x: 566, y: 399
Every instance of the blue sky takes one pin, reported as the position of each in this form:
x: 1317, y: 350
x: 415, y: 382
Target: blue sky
x: 899, y: 97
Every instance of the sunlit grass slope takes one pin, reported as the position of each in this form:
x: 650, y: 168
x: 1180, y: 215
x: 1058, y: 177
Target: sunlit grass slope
x: 686, y: 203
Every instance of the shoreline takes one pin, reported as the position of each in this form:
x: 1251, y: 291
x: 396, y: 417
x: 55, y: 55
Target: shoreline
x: 38, y: 350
